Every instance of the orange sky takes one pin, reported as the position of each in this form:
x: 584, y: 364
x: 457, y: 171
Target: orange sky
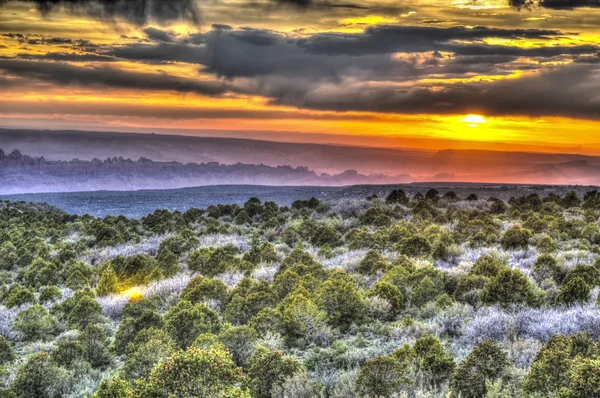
x: 377, y: 75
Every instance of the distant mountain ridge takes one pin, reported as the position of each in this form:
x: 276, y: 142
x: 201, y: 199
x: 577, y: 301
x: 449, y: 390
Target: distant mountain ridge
x: 169, y: 161
x: 20, y: 173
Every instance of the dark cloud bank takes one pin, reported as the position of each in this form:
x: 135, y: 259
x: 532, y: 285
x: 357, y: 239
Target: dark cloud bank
x: 141, y: 12
x: 349, y: 71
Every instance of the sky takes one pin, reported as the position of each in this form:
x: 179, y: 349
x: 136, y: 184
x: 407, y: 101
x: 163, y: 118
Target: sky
x: 428, y: 74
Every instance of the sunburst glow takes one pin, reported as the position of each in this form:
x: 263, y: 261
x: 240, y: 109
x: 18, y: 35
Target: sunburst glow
x: 473, y: 120
x: 133, y: 293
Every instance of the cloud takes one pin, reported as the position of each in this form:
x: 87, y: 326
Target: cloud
x: 68, y: 57
x: 159, y: 35
x: 395, y: 38
x: 138, y: 12
x: 65, y: 74
x: 331, y: 57
x: 388, y: 68
x: 552, y: 4
x: 163, y: 111
x: 570, y: 90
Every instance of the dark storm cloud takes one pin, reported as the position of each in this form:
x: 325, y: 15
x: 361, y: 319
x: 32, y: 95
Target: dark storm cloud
x: 351, y: 71
x: 224, y: 46
x: 142, y: 12
x: 569, y: 4
x: 159, y: 53
x: 330, y: 56
x: 139, y: 12
x: 393, y: 38
x: 546, y: 51
x: 566, y: 91
x: 55, y: 41
x: 68, y: 57
x: 160, y: 35
x: 64, y: 74
x: 552, y: 4
x: 517, y: 4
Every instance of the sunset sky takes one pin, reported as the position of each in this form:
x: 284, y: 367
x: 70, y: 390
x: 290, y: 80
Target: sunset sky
x: 425, y: 74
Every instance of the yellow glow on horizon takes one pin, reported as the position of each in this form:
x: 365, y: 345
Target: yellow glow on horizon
x: 473, y: 120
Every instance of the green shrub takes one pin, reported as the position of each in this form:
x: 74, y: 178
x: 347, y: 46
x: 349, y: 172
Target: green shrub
x: 585, y: 379
x: 515, y: 238
x: 575, y: 291
x: 450, y: 196
x: 67, y: 353
x: 416, y: 246
x: 38, y: 377
x: 109, y: 282
x: 49, y: 293
x: 246, y: 299
x: 198, y: 259
x: 432, y: 362
x: 498, y: 207
x: 546, y: 267
x: 185, y: 321
x: 589, y: 273
x: 397, y: 196
x: 381, y: 377
x: 219, y: 261
x: 130, y: 327
x: 341, y: 300
x: 546, y: 245
x: 551, y: 368
x: 267, y: 369
x: 63, y: 309
x: 240, y: 341
x: 487, y: 266
x: 431, y: 367
x: 35, y: 323
x: 372, y: 263
x: 376, y: 216
x: 424, y: 291
x: 7, y: 353
x: 17, y: 295
x: 115, y: 388
x: 325, y: 235
x: 193, y: 373
x: 325, y: 251
x: 509, y: 287
x: 391, y: 294
x: 201, y: 288
x: 94, y: 341
x: 86, y: 311
x: 301, y: 317
x: 265, y: 253
x: 486, y: 362
x: 469, y: 289
x: 440, y: 251
x: 432, y: 194
x: 136, y: 306
x: 267, y: 320
x: 149, y: 347
x: 77, y: 280
x: 570, y: 200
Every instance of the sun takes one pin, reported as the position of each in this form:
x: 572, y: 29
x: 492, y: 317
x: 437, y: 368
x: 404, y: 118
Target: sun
x: 473, y: 120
